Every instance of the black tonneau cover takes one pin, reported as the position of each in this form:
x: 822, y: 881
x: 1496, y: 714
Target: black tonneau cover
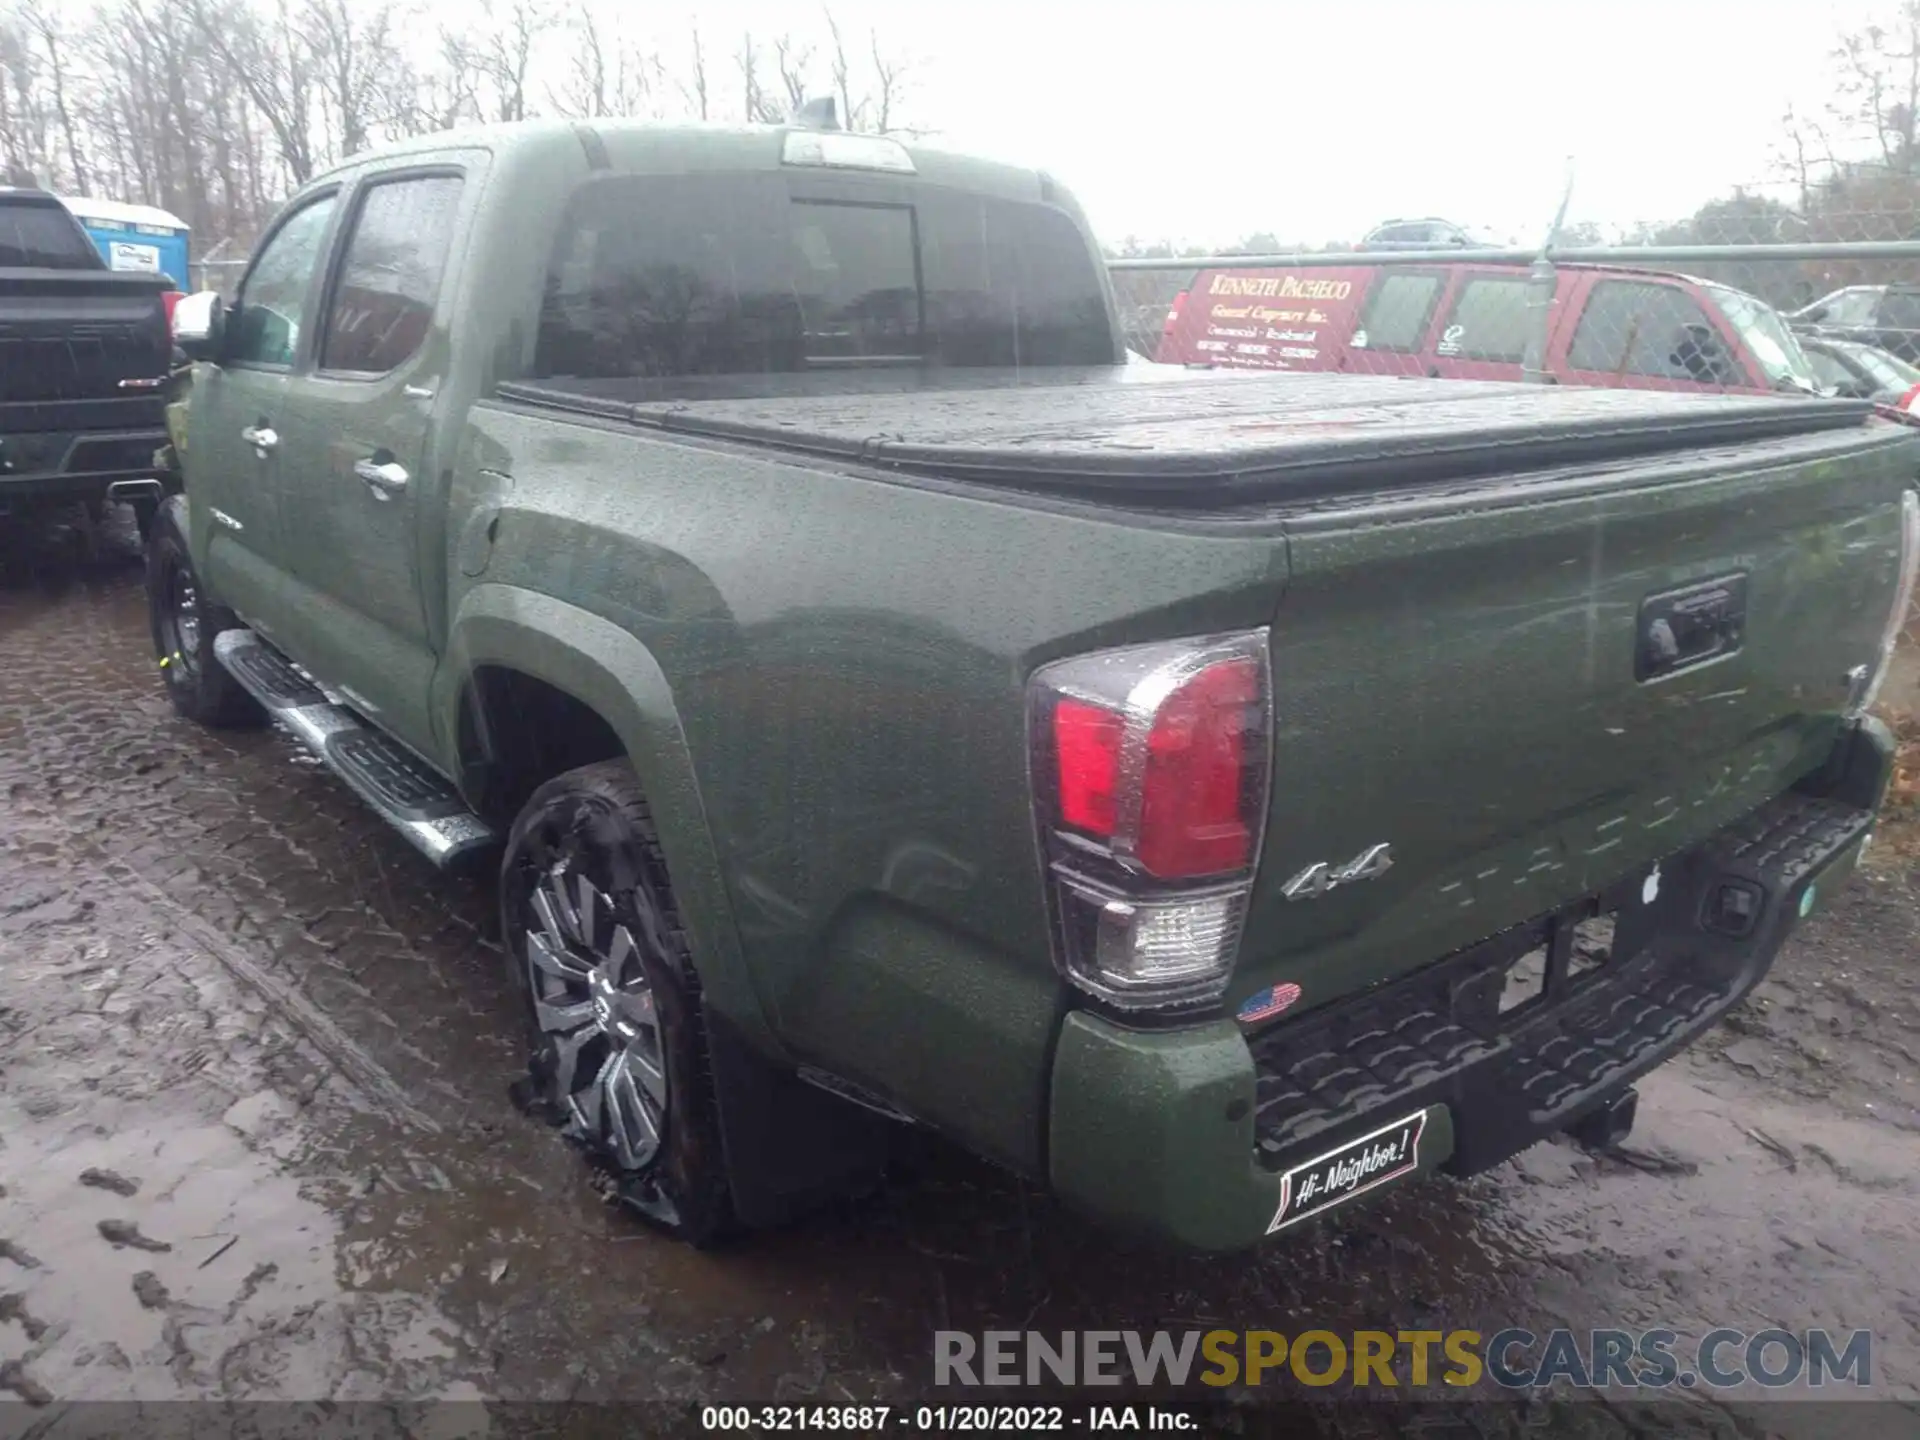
x: 1167, y: 433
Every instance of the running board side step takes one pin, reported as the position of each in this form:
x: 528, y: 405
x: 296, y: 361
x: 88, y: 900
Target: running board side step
x: 406, y: 793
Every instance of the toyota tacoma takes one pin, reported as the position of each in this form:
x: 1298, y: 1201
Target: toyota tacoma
x: 1216, y: 797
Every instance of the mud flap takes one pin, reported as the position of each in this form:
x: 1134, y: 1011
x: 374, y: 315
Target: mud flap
x: 790, y: 1146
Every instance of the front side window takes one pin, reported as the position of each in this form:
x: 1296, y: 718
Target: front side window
x: 667, y: 276
x: 1637, y: 328
x: 1783, y: 363
x: 1828, y: 370
x: 266, y: 321
x: 1489, y: 321
x: 382, y: 304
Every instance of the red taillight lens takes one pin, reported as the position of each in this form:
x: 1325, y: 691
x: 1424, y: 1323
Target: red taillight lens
x: 1086, y: 747
x: 169, y: 299
x: 1193, y: 818
x: 1151, y: 776
x: 1906, y: 401
x: 1173, y: 314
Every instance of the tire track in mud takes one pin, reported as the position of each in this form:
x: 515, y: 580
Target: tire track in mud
x: 366, y: 1074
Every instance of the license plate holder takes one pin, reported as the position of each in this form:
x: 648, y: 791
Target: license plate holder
x: 1316, y: 1186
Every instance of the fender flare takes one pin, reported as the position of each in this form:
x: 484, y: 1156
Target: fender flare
x: 608, y: 669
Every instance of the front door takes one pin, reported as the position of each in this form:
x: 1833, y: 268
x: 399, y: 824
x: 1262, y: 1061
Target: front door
x: 357, y: 483
x: 235, y: 421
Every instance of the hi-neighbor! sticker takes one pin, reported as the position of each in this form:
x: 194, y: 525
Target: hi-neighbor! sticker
x: 1355, y: 1168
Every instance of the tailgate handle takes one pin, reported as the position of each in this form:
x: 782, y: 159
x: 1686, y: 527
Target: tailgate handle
x: 1682, y: 628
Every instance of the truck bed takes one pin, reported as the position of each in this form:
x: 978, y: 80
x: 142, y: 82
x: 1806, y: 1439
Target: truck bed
x: 1198, y: 437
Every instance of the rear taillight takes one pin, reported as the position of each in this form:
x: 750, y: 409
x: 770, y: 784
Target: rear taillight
x: 1902, y: 598
x: 169, y: 299
x: 1174, y: 311
x: 1906, y: 401
x: 1150, y: 777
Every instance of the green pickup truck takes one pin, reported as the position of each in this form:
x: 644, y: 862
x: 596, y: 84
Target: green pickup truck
x: 1213, y: 796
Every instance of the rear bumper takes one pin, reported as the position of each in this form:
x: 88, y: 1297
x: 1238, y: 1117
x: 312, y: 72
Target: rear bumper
x: 74, y: 466
x: 1193, y: 1133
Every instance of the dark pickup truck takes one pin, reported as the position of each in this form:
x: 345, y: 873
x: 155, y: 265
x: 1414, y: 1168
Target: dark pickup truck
x: 1214, y: 796
x: 84, y: 354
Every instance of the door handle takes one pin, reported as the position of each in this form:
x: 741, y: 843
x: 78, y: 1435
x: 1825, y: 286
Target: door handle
x: 384, y: 480
x: 261, y: 437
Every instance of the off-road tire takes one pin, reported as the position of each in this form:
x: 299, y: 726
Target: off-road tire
x: 593, y: 824
x: 196, y: 681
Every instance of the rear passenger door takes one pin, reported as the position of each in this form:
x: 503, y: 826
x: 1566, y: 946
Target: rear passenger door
x: 1646, y: 335
x: 1483, y: 332
x: 358, y: 483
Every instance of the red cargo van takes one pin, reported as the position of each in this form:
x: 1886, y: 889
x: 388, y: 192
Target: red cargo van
x: 1611, y: 326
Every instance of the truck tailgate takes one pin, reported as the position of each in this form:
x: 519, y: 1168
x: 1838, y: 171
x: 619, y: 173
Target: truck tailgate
x: 77, y: 335
x: 1531, y: 689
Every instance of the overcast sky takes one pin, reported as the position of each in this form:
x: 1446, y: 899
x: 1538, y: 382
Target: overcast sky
x: 1209, y: 119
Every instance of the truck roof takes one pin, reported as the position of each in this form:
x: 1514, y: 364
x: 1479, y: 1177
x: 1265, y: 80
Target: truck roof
x: 647, y: 146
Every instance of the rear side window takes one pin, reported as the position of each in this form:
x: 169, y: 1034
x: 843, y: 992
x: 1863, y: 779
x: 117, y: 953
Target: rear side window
x: 382, y: 304
x: 676, y: 275
x: 38, y: 236
x: 1850, y: 307
x: 1488, y: 321
x: 1398, y: 309
x: 1634, y: 328
x: 1900, y: 310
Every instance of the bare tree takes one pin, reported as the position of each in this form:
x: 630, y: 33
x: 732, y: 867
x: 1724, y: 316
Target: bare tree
x: 265, y: 53
x: 44, y: 25
x: 216, y: 109
x: 695, y: 86
x: 353, y: 47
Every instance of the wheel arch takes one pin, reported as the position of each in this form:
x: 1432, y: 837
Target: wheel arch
x: 506, y: 642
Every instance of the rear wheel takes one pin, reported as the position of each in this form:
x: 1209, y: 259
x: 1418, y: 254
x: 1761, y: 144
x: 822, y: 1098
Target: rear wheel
x: 614, y: 1021
x: 185, y: 623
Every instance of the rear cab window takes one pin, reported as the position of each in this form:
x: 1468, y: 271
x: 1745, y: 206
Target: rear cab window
x: 38, y: 234
x: 661, y: 277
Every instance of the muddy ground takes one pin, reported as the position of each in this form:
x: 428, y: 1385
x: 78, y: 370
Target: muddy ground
x: 255, y: 1138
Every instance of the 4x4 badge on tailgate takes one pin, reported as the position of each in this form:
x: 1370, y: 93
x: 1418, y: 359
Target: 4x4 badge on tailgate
x: 1320, y: 877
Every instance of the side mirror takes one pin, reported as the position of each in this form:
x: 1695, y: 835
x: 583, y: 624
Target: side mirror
x: 1815, y: 316
x: 200, y: 325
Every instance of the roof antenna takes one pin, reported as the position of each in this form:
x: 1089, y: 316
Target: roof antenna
x: 820, y: 113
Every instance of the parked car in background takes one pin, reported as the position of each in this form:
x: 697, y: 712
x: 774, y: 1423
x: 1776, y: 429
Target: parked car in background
x: 1862, y: 372
x: 1886, y: 316
x: 84, y: 353
x: 1611, y: 326
x: 1429, y: 233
